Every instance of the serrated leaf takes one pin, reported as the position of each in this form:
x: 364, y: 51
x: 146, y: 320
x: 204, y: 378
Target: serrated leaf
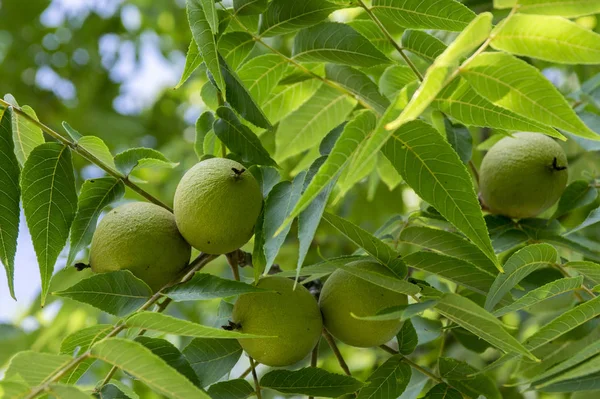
x: 13, y: 390
x: 78, y: 343
x: 459, y: 374
x: 387, y: 282
x: 26, y: 134
x: 407, y: 338
x: 587, y: 383
x: 431, y: 167
x: 394, y: 79
x: 288, y: 98
x: 422, y: 44
x: 373, y: 33
x: 50, y: 203
x: 283, y: 16
x: 454, y: 269
x: 269, y: 237
x: 232, y: 389
x: 171, y: 355
x: 371, y: 244
x: 448, y: 243
x: 549, y: 38
x: 417, y: 14
x: 443, y: 391
x: 240, y: 99
x: 118, y: 293
x: 266, y: 176
x: 577, y: 194
x: 563, y: 8
x: 477, y: 320
x: 204, y: 37
x: 542, y: 293
x: 132, y: 158
x: 261, y: 74
x: 345, y: 146
x: 46, y: 364
x: 443, y: 70
x: 388, y: 381
x: 204, y: 125
x: 310, y: 381
x: 574, y: 359
x: 249, y: 7
x: 359, y: 84
x: 61, y: 391
x: 193, y: 59
x: 337, y: 43
x: 9, y: 198
x: 211, y: 14
x: 95, y: 146
x: 517, y: 267
x: 94, y: 196
x: 235, y: 48
x: 298, y: 132
x: 170, y: 325
x: 589, y: 270
x: 205, y: 286
x: 240, y: 139
x: 403, y: 312
x: 145, y: 366
x: 519, y: 87
x: 211, y: 359
x: 463, y: 103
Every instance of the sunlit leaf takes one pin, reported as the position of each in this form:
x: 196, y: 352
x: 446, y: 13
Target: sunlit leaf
x: 46, y: 365
x: 95, y: 146
x: 284, y: 16
x: 26, y: 134
x: 418, y: 14
x: 261, y: 74
x: 310, y: 381
x: 249, y: 7
x: 79, y: 342
x: 394, y: 78
x: 171, y: 355
x: 193, y: 59
x: 133, y: 158
x: 422, y: 44
x: 563, y: 8
x: 235, y: 48
x: 288, y: 98
x: 359, y: 84
x: 205, y: 286
x: 61, y: 391
x: 371, y: 31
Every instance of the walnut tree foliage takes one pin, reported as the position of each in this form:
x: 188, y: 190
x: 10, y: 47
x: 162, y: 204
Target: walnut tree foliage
x: 364, y: 123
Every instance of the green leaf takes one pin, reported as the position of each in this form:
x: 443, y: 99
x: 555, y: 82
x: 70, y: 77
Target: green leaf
x: 118, y: 293
x: 394, y: 79
x: 431, y: 167
x: 345, y: 146
x: 284, y: 16
x: 443, y: 70
x: 326, y: 109
x: 519, y: 87
x: 50, y: 203
x: 78, y: 343
x: 589, y: 270
x: 592, y: 219
x: 26, y: 134
x: 249, y: 7
x: 210, y: 11
x: 549, y: 38
x: 337, y: 43
x: 587, y: 383
x: 240, y: 139
x: 46, y: 364
x: 133, y: 158
x: 95, y: 146
x: 517, y: 267
x: 95, y: 195
x: 261, y: 74
x: 112, y: 391
x: 454, y: 269
x: 373, y: 33
x: 235, y: 48
x: 569, y: 9
x: 232, y: 389
x: 193, y: 59
x: 359, y: 84
x: 547, y: 291
x: 288, y: 98
x: 384, y: 281
x: 145, y: 366
x: 204, y: 125
x: 463, y: 103
x: 9, y: 198
x: 240, y: 99
x: 407, y: 338
x: 418, y: 14
x: 388, y: 381
x: 60, y: 391
x: 170, y: 325
x: 422, y: 44
x: 371, y: 244
x: 443, y: 391
x: 205, y: 286
x: 448, y: 243
x: 577, y: 194
x: 204, y: 37
x: 574, y: 359
x: 477, y: 320
x: 211, y: 359
x: 310, y: 381
x: 13, y: 390
x: 171, y: 355
x: 266, y: 176
x: 460, y: 376
x: 269, y: 236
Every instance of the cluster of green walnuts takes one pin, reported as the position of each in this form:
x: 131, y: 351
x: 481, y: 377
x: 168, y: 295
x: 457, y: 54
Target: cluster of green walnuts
x: 216, y: 207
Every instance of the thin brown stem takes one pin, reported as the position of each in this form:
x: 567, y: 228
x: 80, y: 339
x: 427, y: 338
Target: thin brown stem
x: 245, y: 373
x: 234, y: 262
x: 391, y: 39
x: 253, y: 365
x: 87, y: 155
x: 583, y: 287
x: 314, y: 357
x: 412, y: 364
x: 336, y: 352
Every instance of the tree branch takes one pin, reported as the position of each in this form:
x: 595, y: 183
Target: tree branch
x: 336, y: 352
x: 255, y: 377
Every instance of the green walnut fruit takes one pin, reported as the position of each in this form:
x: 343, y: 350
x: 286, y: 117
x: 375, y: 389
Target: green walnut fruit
x: 344, y: 294
x: 217, y: 203
x: 142, y: 238
x: 523, y: 175
x: 292, y: 316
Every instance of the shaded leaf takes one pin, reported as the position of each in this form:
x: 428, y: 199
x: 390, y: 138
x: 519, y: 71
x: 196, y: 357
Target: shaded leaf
x: 443, y: 391
x: 211, y: 359
x: 171, y: 355
x: 95, y: 146
x: 585, y: 353
x: 60, y: 391
x: 388, y: 381
x: 384, y: 281
x: 589, y: 270
x: 310, y: 381
x: 457, y: 373
x: 407, y: 338
x: 232, y: 389
x: 283, y: 16
x: 204, y: 125
x: 249, y: 7
x: 577, y: 194
x: 205, y: 286
x: 371, y: 31
x: 266, y: 176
